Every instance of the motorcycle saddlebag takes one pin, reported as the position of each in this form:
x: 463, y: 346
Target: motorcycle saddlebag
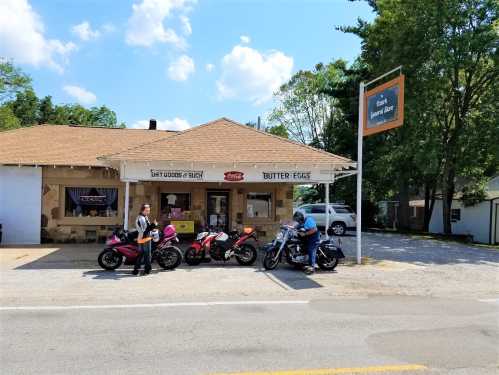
x: 334, y: 251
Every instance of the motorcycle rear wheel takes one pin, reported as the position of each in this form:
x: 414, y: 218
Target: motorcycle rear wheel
x: 247, y: 255
x: 109, y: 259
x: 269, y: 261
x: 192, y: 257
x: 169, y: 258
x: 327, y: 264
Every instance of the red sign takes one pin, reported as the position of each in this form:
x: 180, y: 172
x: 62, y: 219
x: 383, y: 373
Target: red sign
x: 233, y: 176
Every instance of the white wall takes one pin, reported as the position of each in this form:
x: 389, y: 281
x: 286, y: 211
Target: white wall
x: 20, y: 204
x: 474, y: 220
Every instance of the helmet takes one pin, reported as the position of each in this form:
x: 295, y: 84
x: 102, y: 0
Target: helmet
x: 299, y: 217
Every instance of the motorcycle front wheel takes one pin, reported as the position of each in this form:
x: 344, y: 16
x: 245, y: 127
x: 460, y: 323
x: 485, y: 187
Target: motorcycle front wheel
x: 247, y: 255
x: 169, y: 258
x: 269, y: 261
x: 109, y: 259
x: 193, y: 257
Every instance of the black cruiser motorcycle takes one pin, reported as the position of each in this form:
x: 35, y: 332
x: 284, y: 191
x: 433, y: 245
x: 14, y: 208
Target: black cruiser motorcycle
x: 293, y: 248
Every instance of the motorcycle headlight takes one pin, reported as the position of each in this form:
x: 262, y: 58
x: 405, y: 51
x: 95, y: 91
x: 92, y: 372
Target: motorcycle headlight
x: 279, y: 236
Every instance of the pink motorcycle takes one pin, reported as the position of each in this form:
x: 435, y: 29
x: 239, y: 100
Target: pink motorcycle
x: 122, y: 245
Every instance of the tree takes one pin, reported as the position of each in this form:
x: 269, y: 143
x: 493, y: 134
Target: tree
x: 12, y: 80
x: 8, y: 120
x: 25, y: 107
x: 302, y: 106
x: 46, y: 110
x: 279, y: 130
x: 103, y: 116
x: 449, y: 53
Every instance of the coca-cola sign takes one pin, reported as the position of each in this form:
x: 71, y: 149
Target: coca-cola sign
x: 233, y: 176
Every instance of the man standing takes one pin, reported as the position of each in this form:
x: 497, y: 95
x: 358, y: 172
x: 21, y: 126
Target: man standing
x: 143, y: 226
x: 312, y: 236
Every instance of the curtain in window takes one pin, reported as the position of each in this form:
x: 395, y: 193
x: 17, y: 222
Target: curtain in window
x: 110, y: 193
x: 75, y: 193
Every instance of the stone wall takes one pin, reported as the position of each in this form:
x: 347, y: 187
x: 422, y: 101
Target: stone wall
x: 56, y: 227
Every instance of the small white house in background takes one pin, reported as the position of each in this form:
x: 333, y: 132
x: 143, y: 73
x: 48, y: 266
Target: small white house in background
x: 480, y: 221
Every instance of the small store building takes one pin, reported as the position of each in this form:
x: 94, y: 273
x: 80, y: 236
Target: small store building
x: 76, y: 184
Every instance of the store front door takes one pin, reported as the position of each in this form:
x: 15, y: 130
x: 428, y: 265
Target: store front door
x: 217, y: 209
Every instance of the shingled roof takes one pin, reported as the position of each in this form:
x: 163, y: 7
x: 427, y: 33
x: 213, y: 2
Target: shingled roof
x: 69, y: 145
x: 223, y: 141
x: 219, y: 141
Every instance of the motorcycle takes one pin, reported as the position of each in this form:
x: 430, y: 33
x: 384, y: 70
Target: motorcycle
x: 290, y: 245
x: 122, y: 245
x: 222, y: 246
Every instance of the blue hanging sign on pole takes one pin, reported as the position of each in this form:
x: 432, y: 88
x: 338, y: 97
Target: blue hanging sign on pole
x: 384, y: 107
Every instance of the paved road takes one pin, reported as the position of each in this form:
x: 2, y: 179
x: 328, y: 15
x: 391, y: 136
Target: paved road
x: 418, y: 303
x: 419, y: 250
x: 447, y: 336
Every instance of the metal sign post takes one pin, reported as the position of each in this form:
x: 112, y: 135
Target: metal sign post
x: 390, y: 116
x: 359, y: 175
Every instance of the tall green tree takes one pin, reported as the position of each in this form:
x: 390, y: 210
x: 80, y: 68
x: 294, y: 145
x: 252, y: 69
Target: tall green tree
x: 8, y: 120
x: 25, y: 107
x: 12, y: 80
x: 448, y: 49
x: 103, y: 116
x: 279, y: 130
x: 302, y: 106
x: 45, y: 110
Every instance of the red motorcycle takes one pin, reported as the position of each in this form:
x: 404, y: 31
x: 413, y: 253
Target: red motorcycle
x: 123, y: 245
x: 222, y: 246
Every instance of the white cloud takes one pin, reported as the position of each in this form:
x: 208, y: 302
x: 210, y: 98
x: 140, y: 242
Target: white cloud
x: 84, y: 31
x: 108, y: 28
x: 146, y: 24
x: 186, y: 25
x: 251, y: 75
x: 181, y: 69
x: 177, y: 123
x: 245, y: 39
x: 22, y: 36
x: 209, y: 67
x: 81, y: 95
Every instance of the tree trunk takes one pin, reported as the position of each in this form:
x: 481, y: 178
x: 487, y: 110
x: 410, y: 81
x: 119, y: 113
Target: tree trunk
x: 429, y: 203
x: 403, y: 209
x: 448, y: 195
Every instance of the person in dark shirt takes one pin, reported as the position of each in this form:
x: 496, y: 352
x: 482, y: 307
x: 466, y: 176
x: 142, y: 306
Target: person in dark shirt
x: 143, y: 226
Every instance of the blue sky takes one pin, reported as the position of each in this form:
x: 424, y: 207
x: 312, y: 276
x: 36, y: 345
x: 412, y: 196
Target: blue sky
x: 179, y: 61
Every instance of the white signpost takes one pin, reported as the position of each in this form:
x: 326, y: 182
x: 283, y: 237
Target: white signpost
x: 380, y: 109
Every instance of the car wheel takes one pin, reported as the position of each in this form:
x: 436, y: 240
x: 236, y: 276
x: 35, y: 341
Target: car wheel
x: 338, y: 228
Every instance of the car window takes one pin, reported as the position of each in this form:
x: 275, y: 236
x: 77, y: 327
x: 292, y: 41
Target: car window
x: 320, y: 209
x: 306, y: 209
x: 342, y: 209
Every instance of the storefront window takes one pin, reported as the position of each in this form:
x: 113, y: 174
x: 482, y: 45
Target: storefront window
x: 91, y: 202
x: 259, y: 205
x: 175, y: 206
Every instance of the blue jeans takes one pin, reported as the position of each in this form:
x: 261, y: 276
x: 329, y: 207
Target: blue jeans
x: 312, y: 252
x: 144, y: 257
